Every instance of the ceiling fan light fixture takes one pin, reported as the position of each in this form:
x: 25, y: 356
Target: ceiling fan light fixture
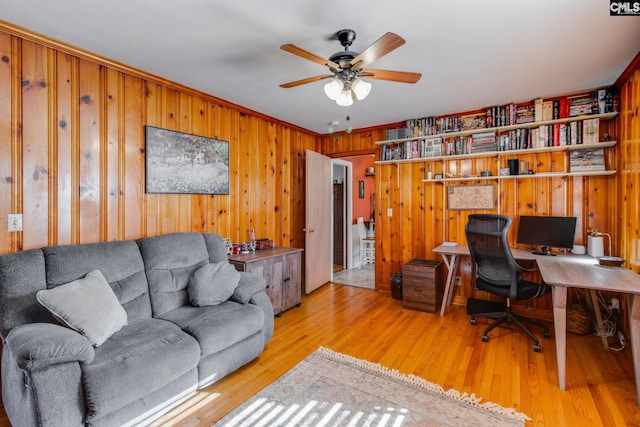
x: 360, y: 88
x: 333, y: 88
x: 344, y: 99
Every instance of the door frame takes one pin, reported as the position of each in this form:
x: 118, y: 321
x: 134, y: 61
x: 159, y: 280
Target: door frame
x: 348, y: 207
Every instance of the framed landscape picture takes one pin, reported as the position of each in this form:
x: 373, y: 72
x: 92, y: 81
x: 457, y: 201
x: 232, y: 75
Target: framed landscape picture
x: 181, y: 163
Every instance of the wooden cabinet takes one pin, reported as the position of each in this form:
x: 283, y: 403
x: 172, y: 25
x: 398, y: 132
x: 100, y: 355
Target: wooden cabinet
x: 422, y: 285
x: 280, y: 268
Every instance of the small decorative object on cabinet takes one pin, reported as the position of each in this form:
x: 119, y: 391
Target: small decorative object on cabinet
x: 422, y: 285
x: 280, y: 268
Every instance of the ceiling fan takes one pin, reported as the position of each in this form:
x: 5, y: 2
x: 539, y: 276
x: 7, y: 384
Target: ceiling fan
x: 348, y: 67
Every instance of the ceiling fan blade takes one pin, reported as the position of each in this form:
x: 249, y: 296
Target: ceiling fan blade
x: 385, y: 44
x: 310, y: 56
x: 305, y: 81
x: 394, y: 76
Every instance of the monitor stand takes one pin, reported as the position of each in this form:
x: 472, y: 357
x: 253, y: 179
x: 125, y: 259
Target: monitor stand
x: 544, y: 250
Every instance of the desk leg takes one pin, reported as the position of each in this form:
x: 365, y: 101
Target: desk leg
x: 559, y: 295
x: 596, y: 310
x: 633, y: 305
x: 452, y: 266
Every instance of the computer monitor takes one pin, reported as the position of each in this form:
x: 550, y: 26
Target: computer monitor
x: 545, y: 232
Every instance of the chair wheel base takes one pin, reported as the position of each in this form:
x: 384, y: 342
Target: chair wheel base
x: 473, y: 321
x: 547, y: 334
x: 536, y: 348
x: 485, y: 338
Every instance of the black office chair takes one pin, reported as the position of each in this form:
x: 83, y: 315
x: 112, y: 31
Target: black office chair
x: 496, y: 271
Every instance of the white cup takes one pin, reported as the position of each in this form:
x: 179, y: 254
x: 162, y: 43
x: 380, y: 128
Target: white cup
x: 578, y: 250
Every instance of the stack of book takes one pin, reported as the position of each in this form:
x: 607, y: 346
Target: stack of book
x: 399, y: 133
x: 483, y: 142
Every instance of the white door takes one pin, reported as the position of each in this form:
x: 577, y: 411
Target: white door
x: 318, y: 249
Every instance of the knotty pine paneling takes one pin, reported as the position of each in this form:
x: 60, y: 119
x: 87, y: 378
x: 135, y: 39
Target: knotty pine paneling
x: 421, y: 219
x: 627, y: 207
x: 72, y: 154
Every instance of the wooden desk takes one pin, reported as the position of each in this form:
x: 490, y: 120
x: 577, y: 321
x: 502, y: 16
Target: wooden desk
x: 562, y: 272
x: 451, y: 256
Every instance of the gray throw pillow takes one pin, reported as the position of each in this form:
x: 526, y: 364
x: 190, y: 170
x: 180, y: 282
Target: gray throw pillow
x: 213, y: 284
x: 86, y: 305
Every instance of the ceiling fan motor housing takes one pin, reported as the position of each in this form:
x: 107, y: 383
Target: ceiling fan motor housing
x: 344, y: 58
x: 346, y: 37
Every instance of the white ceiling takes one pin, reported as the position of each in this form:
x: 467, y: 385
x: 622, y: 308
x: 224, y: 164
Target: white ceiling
x: 471, y: 53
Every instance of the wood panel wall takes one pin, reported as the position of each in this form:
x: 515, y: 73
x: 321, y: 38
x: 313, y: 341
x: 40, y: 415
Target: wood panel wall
x: 627, y: 206
x: 72, y: 161
x: 420, y: 219
x: 72, y: 153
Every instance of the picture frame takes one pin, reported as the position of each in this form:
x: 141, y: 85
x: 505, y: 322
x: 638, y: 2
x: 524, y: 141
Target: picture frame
x: 182, y: 163
x: 361, y: 189
x: 471, y: 197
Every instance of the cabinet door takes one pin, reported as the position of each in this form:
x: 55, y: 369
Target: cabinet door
x: 271, y: 271
x: 292, y: 283
x: 276, y: 273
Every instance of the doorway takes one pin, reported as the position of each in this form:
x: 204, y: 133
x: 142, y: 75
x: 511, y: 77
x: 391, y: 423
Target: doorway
x: 341, y: 208
x: 353, y: 183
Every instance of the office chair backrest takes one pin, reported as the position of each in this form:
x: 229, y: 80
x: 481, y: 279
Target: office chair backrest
x: 490, y: 252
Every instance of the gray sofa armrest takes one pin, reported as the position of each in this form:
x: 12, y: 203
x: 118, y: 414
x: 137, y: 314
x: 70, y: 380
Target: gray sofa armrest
x: 249, y: 285
x: 38, y: 345
x: 261, y: 299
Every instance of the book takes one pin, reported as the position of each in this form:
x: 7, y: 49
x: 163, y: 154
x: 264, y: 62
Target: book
x: 547, y: 110
x: 580, y: 104
x: 538, y: 109
x: 474, y: 121
x: 590, y: 131
x: 524, y: 113
x: 587, y: 160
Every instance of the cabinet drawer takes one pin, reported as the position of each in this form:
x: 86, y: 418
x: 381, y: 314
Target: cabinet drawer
x: 418, y: 293
x: 422, y: 285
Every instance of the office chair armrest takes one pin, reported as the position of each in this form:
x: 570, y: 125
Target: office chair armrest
x: 522, y: 269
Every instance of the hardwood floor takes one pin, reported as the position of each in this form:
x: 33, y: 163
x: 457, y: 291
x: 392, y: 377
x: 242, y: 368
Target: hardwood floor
x: 445, y: 350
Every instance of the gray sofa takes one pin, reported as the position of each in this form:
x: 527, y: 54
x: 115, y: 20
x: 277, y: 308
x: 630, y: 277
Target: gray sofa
x: 169, y: 347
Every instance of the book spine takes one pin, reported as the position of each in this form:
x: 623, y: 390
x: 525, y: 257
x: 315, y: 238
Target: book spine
x: 538, y: 109
x: 564, y: 108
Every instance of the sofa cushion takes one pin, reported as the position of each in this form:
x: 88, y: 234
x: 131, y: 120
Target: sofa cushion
x: 169, y: 261
x: 136, y: 361
x: 212, y: 284
x: 87, y: 305
x: 220, y: 326
x: 22, y: 274
x: 216, y: 247
x: 120, y: 263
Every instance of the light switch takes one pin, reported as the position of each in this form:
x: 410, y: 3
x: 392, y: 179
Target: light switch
x: 389, y: 212
x: 15, y: 223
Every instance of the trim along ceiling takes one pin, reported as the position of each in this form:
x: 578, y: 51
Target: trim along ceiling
x: 472, y: 54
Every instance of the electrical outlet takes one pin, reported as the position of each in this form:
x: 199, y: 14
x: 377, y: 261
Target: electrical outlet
x: 14, y: 223
x: 458, y: 281
x: 389, y: 212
